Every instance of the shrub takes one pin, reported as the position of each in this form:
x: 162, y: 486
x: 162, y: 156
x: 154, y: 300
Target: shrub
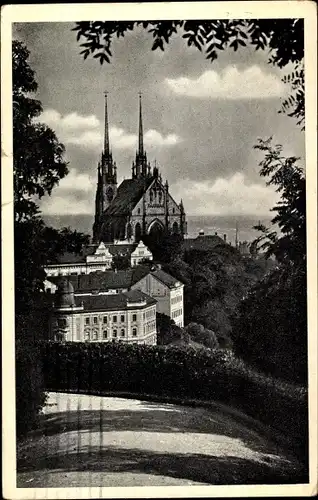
x: 30, y: 396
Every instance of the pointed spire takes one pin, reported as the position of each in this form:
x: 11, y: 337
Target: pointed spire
x: 106, y: 133
x: 141, y: 135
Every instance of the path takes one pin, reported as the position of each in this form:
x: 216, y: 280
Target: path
x: 99, y: 441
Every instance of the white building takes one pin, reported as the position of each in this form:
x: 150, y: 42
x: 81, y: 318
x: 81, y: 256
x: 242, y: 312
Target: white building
x: 128, y: 317
x: 167, y: 291
x: 164, y: 288
x: 98, y: 258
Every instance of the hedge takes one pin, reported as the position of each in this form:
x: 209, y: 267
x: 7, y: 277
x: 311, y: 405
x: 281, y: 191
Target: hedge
x: 30, y: 395
x: 209, y: 375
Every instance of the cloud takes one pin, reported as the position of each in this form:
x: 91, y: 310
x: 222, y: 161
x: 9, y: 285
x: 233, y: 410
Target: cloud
x: 74, y: 195
x: 251, y: 83
x: 86, y: 132
x: 225, y: 196
x: 153, y: 138
x: 120, y: 139
x: 90, y: 139
x: 72, y: 121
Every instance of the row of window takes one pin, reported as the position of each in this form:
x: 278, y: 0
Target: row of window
x: 176, y: 299
x: 150, y: 313
x: 176, y: 313
x: 150, y: 327
x: 94, y: 320
x: 114, y: 333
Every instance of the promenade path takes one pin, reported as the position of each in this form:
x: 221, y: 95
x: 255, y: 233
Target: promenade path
x: 107, y: 441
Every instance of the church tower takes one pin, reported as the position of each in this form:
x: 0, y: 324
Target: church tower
x: 106, y: 179
x: 140, y: 168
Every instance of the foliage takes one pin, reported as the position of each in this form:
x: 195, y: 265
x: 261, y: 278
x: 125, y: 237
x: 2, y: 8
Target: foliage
x: 215, y: 281
x: 283, y: 38
x: 202, y: 335
x: 290, y: 182
x: 30, y: 397
x: 168, y: 331
x: 121, y: 262
x: 165, y: 246
x: 38, y: 162
x: 212, y: 375
x: 38, y: 165
x: 270, y: 329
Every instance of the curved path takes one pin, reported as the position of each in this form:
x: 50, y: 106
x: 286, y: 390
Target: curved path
x: 101, y: 441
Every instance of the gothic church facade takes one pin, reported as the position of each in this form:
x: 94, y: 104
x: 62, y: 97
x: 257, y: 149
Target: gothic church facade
x: 141, y: 205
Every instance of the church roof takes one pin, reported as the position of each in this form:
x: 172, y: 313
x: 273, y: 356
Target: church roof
x: 128, y: 194
x: 114, y: 302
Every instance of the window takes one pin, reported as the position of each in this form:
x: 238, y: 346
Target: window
x: 115, y: 319
x: 95, y: 334
x: 122, y: 318
x: 95, y: 320
x: 134, y: 317
x: 114, y: 332
x: 138, y: 211
x: 61, y: 322
x: 87, y: 335
x: 134, y: 332
x: 105, y: 319
x: 122, y: 332
x: 87, y: 321
x: 105, y: 334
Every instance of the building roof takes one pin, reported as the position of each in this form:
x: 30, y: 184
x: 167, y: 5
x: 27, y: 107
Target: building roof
x: 105, y: 280
x: 128, y: 194
x: 115, y: 302
x: 204, y: 242
x: 165, y: 278
x: 115, y: 280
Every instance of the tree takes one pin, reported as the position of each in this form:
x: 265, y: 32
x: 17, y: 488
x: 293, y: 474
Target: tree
x: 270, y: 329
x: 38, y: 162
x: 284, y: 38
x: 202, y: 335
x: 121, y: 262
x: 38, y: 165
x: 164, y: 246
x: 290, y: 216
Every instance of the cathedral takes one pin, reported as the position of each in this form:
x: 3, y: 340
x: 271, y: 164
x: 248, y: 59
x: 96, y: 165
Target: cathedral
x: 139, y: 206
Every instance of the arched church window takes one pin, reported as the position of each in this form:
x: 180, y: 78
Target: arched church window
x: 137, y: 232
x: 173, y: 210
x: 138, y: 211
x: 160, y: 197
x: 151, y: 196
x: 129, y: 230
x: 175, y: 228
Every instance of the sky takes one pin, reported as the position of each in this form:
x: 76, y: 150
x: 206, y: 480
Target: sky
x: 201, y: 119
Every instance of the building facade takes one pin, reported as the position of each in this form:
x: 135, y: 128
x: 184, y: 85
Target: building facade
x: 141, y: 205
x: 99, y: 258
x: 161, y: 286
x: 129, y: 317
